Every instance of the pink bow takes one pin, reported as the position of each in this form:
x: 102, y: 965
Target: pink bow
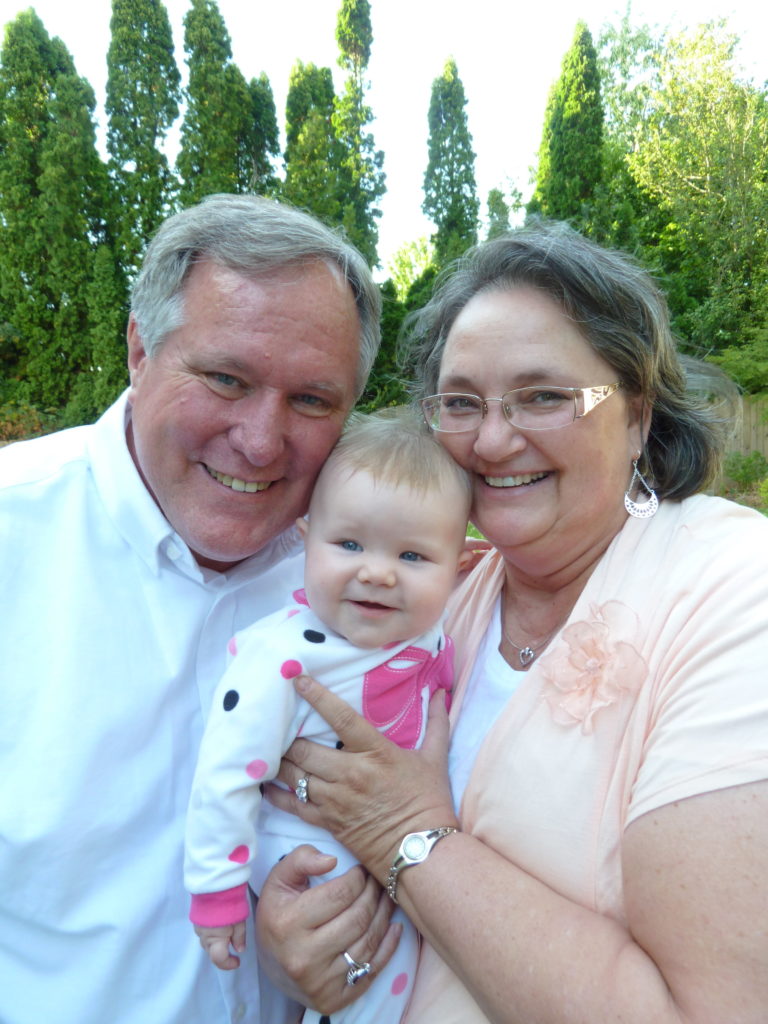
x: 392, y: 692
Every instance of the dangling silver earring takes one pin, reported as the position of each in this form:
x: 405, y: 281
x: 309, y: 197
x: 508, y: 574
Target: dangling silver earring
x: 648, y: 508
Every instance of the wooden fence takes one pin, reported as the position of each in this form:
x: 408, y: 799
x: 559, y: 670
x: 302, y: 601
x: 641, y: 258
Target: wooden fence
x: 754, y: 427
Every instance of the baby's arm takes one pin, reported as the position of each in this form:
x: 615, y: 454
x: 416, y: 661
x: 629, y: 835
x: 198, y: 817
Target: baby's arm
x: 217, y: 941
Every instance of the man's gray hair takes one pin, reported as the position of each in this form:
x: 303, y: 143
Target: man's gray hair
x: 252, y: 236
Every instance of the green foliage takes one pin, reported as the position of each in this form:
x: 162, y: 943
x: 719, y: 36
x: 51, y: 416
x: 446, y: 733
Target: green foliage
x: 361, y: 179
x: 408, y: 264
x: 762, y: 491
x: 700, y: 154
x: 53, y: 197
x: 19, y: 421
x: 230, y: 128
x: 450, y: 191
x: 571, y: 152
x: 498, y: 214
x: 312, y: 154
x: 746, y: 470
x: 142, y: 102
x: 385, y: 385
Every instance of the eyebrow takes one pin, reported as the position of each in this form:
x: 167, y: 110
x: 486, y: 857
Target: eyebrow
x: 534, y: 376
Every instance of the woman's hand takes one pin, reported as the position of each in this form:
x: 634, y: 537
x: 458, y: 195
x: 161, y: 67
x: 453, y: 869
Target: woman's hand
x: 371, y: 793
x: 303, y: 932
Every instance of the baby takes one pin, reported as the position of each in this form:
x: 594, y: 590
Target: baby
x: 384, y: 541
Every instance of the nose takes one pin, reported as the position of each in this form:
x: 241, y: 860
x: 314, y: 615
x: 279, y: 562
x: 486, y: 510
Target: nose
x: 378, y: 572
x: 496, y: 438
x: 259, y: 427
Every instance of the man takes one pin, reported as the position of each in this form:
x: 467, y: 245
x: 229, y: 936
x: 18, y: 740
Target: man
x: 130, y: 551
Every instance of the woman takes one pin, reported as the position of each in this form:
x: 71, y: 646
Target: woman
x: 609, y: 749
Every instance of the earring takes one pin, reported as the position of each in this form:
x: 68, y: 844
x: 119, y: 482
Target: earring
x: 648, y: 508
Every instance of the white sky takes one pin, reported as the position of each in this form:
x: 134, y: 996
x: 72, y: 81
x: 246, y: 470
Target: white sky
x: 507, y: 56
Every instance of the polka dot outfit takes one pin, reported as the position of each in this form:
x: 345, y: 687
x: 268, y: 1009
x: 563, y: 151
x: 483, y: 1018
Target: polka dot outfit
x: 233, y: 837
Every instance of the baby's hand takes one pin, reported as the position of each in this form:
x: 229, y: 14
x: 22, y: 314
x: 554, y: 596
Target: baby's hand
x: 216, y: 943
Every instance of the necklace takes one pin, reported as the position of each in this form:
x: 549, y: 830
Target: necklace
x: 528, y: 653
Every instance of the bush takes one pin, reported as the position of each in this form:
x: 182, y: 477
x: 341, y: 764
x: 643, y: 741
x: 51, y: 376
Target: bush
x: 19, y: 421
x: 746, y: 470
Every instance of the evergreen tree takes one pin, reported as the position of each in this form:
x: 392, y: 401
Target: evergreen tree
x: 571, y: 152
x: 362, y: 178
x: 262, y: 139
x: 498, y: 214
x: 53, y: 191
x: 385, y: 385
x: 312, y: 152
x: 450, y: 192
x: 222, y: 147
x: 142, y: 103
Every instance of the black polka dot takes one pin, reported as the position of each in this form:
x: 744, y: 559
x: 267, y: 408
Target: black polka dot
x: 339, y: 745
x: 325, y: 1020
x: 440, y: 644
x: 231, y: 697
x: 314, y: 637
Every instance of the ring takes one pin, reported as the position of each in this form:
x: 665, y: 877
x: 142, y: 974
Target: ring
x: 301, y: 790
x: 356, y: 970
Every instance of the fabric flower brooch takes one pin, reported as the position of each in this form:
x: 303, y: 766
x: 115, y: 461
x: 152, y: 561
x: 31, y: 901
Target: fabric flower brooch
x: 594, y: 663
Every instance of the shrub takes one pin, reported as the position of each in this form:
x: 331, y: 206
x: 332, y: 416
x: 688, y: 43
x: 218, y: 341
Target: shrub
x: 746, y: 470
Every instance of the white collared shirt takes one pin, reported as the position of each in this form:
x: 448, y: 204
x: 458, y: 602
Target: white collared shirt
x: 112, y: 640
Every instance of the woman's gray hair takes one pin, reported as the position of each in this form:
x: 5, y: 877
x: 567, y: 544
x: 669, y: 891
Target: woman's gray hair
x: 252, y: 236
x: 624, y: 317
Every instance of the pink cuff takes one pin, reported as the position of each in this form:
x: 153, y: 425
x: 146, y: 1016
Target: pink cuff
x: 217, y: 909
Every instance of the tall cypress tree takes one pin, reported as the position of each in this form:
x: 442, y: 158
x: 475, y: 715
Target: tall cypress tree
x: 53, y: 191
x: 571, y: 152
x: 362, y: 178
x: 142, y: 102
x: 312, y: 151
x: 450, y: 191
x: 222, y: 147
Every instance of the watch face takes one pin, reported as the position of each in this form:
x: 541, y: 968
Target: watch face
x: 414, y: 847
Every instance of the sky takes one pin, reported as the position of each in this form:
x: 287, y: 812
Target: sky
x: 508, y: 57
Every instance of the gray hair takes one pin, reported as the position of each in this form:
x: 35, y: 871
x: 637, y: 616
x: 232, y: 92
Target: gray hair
x: 252, y: 236
x: 622, y: 315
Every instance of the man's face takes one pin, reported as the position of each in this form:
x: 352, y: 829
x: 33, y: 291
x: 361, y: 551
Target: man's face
x: 238, y: 409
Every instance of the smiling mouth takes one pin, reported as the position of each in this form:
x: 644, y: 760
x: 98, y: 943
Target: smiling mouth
x: 373, y: 606
x: 235, y: 484
x: 514, y: 481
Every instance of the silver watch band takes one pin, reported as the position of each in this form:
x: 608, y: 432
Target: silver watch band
x: 414, y: 849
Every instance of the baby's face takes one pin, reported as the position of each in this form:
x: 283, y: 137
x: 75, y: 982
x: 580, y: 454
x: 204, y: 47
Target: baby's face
x: 381, y: 560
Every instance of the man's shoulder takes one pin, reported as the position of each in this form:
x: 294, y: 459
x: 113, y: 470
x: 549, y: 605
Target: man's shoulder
x: 43, y: 458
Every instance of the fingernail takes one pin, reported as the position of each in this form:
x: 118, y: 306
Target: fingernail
x: 302, y: 684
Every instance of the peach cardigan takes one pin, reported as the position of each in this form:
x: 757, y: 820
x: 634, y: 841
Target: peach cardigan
x: 655, y: 690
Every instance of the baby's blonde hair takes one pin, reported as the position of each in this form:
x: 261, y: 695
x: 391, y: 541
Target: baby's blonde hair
x: 396, y: 447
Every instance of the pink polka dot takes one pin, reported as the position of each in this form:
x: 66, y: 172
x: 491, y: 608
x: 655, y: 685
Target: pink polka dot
x: 292, y: 612
x: 240, y: 856
x: 290, y: 669
x: 256, y: 769
x: 232, y: 646
x: 300, y: 596
x: 399, y: 984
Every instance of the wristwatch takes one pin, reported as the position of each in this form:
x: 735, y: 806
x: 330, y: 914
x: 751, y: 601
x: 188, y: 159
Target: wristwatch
x: 414, y: 849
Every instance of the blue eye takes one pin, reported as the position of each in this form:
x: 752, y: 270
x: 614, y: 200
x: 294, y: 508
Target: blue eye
x: 411, y: 556
x: 350, y: 545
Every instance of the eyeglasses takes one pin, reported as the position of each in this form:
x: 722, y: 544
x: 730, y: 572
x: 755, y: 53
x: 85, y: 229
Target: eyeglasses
x: 535, y: 408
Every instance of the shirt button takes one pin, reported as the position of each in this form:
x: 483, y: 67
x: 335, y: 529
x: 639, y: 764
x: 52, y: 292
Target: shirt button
x: 173, y: 551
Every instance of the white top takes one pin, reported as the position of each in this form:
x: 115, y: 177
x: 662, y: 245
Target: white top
x: 490, y: 685
x: 112, y: 640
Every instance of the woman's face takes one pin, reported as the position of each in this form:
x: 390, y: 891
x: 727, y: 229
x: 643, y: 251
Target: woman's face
x: 546, y: 498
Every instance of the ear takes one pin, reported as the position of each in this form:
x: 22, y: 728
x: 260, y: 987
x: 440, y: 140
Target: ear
x: 639, y: 423
x: 302, y: 526
x: 137, y: 356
